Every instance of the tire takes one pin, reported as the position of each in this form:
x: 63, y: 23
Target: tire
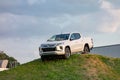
x: 43, y: 58
x: 86, y: 49
x: 67, y: 53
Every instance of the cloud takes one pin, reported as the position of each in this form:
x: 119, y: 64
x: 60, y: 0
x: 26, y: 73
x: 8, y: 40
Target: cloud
x: 25, y: 26
x: 105, y: 4
x: 23, y: 49
x: 69, y: 23
x: 28, y: 25
x: 80, y: 1
x: 111, y: 20
x: 47, y: 8
x: 10, y: 22
x: 7, y: 3
x: 32, y: 2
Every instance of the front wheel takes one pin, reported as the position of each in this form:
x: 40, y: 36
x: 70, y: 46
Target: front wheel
x: 67, y: 53
x: 43, y: 58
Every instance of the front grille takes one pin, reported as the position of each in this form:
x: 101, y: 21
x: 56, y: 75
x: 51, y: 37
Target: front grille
x: 48, y: 45
x: 48, y: 49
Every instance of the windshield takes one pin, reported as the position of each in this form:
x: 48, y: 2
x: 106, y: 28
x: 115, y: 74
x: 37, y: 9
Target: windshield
x: 59, y: 37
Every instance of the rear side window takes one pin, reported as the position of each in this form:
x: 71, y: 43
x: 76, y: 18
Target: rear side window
x: 75, y: 36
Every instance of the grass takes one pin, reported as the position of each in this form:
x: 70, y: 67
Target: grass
x: 77, y: 67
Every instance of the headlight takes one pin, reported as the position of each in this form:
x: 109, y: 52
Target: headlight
x: 40, y: 50
x: 42, y: 45
x: 61, y: 47
x: 59, y: 44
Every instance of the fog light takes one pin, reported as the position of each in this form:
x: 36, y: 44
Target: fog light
x: 61, y: 47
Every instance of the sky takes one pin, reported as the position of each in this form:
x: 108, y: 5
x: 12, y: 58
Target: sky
x: 25, y: 24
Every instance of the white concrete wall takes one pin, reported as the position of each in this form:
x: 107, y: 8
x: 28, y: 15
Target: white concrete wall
x: 111, y: 51
x: 4, y: 63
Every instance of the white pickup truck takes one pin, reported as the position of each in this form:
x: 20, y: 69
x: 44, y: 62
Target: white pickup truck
x: 65, y: 45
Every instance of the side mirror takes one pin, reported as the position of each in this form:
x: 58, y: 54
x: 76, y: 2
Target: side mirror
x: 48, y: 40
x: 71, y: 39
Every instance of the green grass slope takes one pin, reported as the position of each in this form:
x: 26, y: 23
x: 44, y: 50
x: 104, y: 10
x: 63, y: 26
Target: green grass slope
x: 77, y: 67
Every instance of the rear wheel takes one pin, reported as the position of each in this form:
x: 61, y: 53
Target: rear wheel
x: 86, y: 49
x: 67, y: 53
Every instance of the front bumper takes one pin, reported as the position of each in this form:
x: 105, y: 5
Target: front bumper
x: 52, y: 53
x: 58, y: 50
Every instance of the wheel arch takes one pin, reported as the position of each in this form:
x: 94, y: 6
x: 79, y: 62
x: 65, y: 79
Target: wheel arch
x: 86, y: 44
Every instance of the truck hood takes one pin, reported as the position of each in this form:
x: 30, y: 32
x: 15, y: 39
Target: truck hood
x: 54, y: 42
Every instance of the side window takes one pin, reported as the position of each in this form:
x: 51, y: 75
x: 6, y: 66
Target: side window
x: 72, y: 37
x: 75, y: 36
